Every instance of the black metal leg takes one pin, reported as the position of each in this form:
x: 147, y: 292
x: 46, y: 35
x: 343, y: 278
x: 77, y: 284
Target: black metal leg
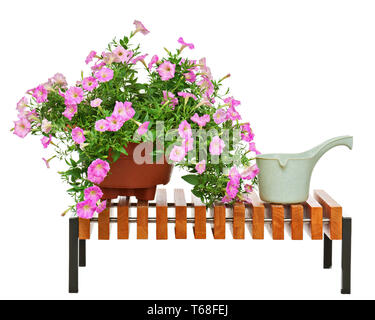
x: 327, y: 263
x: 346, y: 254
x: 73, y: 255
x: 82, y: 253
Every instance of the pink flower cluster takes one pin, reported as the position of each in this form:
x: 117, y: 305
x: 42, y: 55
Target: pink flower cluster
x: 22, y: 126
x: 97, y: 171
x: 92, y: 203
x: 169, y: 97
x: 166, y: 70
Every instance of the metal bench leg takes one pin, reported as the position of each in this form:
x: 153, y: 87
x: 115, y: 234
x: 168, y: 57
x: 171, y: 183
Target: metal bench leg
x: 73, y: 255
x: 327, y: 263
x: 346, y: 254
x: 82, y: 253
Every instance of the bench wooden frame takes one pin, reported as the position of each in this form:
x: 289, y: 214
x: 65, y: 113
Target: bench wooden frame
x: 320, y: 214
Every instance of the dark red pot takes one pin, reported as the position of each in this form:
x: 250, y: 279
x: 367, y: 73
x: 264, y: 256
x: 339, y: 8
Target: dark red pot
x: 127, y: 178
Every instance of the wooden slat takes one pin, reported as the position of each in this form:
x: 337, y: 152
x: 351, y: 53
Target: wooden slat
x: 199, y: 218
x: 161, y: 215
x: 333, y: 211
x: 315, y: 213
x: 238, y: 220
x: 84, y: 229
x: 219, y: 221
x: 258, y: 217
x: 181, y: 214
x: 123, y: 218
x: 103, y: 223
x: 142, y: 219
x: 277, y: 212
x: 296, y: 212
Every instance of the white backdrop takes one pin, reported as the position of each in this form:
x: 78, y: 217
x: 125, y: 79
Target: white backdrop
x: 304, y: 71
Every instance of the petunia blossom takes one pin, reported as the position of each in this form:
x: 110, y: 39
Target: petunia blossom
x: 101, y: 125
x: 153, y: 61
x: 184, y: 44
x: 248, y: 188
x: 139, y: 58
x: 231, y: 189
x: 143, y: 128
x: 233, y: 115
x: 177, y: 154
x: 252, y: 148
x: 46, y: 141
x: 96, y: 102
x: 89, y: 83
x: 70, y: 111
x: 220, y: 116
x: 190, y: 76
x: 93, y: 193
x: 74, y: 95
x: 188, y: 143
x: 46, y: 126
x: 124, y: 110
x: 139, y: 27
x: 115, y: 122
x: 78, y: 136
x: 216, y: 146
x: 97, y: 171
x: 246, y: 133
x: 104, y: 74
x: 86, y: 209
x: 101, y: 206
x: 22, y: 104
x: 184, y: 129
x: 22, y: 127
x: 169, y: 97
x: 250, y: 172
x: 234, y: 175
x: 122, y: 55
x: 232, y: 102
x: 187, y: 95
x: 166, y: 70
x: 200, y: 121
x: 59, y: 79
x: 40, y: 94
x: 201, y: 166
x: 91, y: 56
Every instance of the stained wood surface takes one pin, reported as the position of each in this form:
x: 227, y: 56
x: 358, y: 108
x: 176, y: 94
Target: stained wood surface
x: 296, y: 212
x: 103, y: 222
x: 181, y: 214
x: 238, y: 220
x: 199, y: 218
x: 258, y: 217
x: 161, y: 215
x: 123, y: 218
x: 84, y: 229
x: 219, y: 221
x: 277, y: 212
x: 333, y: 211
x: 142, y: 219
x: 315, y: 212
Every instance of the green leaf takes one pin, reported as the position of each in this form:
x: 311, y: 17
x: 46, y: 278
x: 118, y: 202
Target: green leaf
x: 192, y: 179
x: 115, y: 155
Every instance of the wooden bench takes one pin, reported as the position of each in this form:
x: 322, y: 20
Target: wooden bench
x: 320, y: 215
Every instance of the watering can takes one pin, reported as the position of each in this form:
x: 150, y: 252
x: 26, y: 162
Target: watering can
x: 285, y: 177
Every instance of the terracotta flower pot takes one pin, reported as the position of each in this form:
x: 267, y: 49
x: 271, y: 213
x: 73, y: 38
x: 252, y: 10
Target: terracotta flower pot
x: 127, y: 178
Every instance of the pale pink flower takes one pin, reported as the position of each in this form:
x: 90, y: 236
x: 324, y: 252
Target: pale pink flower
x: 101, y: 125
x: 74, y: 95
x: 205, y: 71
x: 46, y: 126
x: 232, y: 102
x: 59, y: 79
x: 48, y: 85
x: 91, y: 56
x: 22, y: 127
x: 124, y: 110
x: 201, y: 166
x: 190, y: 77
x: 246, y: 133
x: 122, y: 55
x: 169, y: 96
x: 101, y: 206
x: 231, y: 189
x: 233, y: 115
x: 40, y: 94
x: 140, y: 27
x: 97, y: 66
x: 139, y: 58
x: 250, y: 172
x: 46, y: 141
x: 220, y: 116
x: 188, y: 143
x: 93, y: 193
x: 216, y: 146
x: 97, y: 171
x: 153, y: 61
x: 206, y: 86
x: 177, y: 154
x: 86, y: 209
x: 78, y: 136
x: 96, y: 102
x: 252, y: 148
x: 166, y: 70
x: 184, y: 44
x: 115, y: 122
x: 200, y: 121
x: 143, y: 128
x: 234, y: 175
x: 89, y: 83
x: 187, y: 95
x: 184, y: 129
x: 248, y: 188
x: 226, y: 199
x: 22, y: 104
x: 109, y: 57
x: 104, y: 74
x: 70, y: 111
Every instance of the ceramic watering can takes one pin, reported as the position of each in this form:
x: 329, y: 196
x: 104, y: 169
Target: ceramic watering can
x: 285, y: 178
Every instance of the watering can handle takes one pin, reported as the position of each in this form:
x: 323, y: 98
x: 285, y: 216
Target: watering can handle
x: 331, y: 143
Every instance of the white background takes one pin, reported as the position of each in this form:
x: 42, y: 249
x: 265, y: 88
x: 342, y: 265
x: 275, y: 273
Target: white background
x: 304, y: 71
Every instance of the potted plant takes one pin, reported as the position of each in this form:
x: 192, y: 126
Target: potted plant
x: 121, y: 135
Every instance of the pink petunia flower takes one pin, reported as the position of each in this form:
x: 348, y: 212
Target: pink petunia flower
x: 97, y: 66
x: 232, y: 102
x: 153, y: 61
x: 205, y: 71
x: 22, y: 127
x: 140, y: 27
x: 91, y: 56
x: 97, y: 171
x: 93, y: 194
x: 188, y: 143
x: 177, y: 154
x: 96, y: 102
x: 46, y: 141
x: 226, y: 199
x: 190, y: 77
x: 169, y: 97
x: 122, y: 55
x: 250, y: 172
x: 70, y: 111
x: 216, y: 146
x: 231, y: 189
x: 248, y: 188
x: 101, y: 206
x: 200, y: 121
x: 233, y: 115
x: 187, y: 95
x: 101, y: 125
x: 115, y: 122
x: 234, y: 175
x: 220, y: 116
x: 89, y: 83
x: 143, y: 128
x: 86, y: 209
x: 206, y: 86
x: 201, y: 166
x: 139, y: 58
x: 166, y: 70
x: 46, y: 126
x: 104, y: 74
x: 40, y: 94
x: 246, y: 133
x: 124, y: 110
x: 60, y: 80
x: 184, y: 129
x: 184, y: 44
x: 252, y: 148
x: 22, y: 104
x: 74, y: 95
x: 78, y: 136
